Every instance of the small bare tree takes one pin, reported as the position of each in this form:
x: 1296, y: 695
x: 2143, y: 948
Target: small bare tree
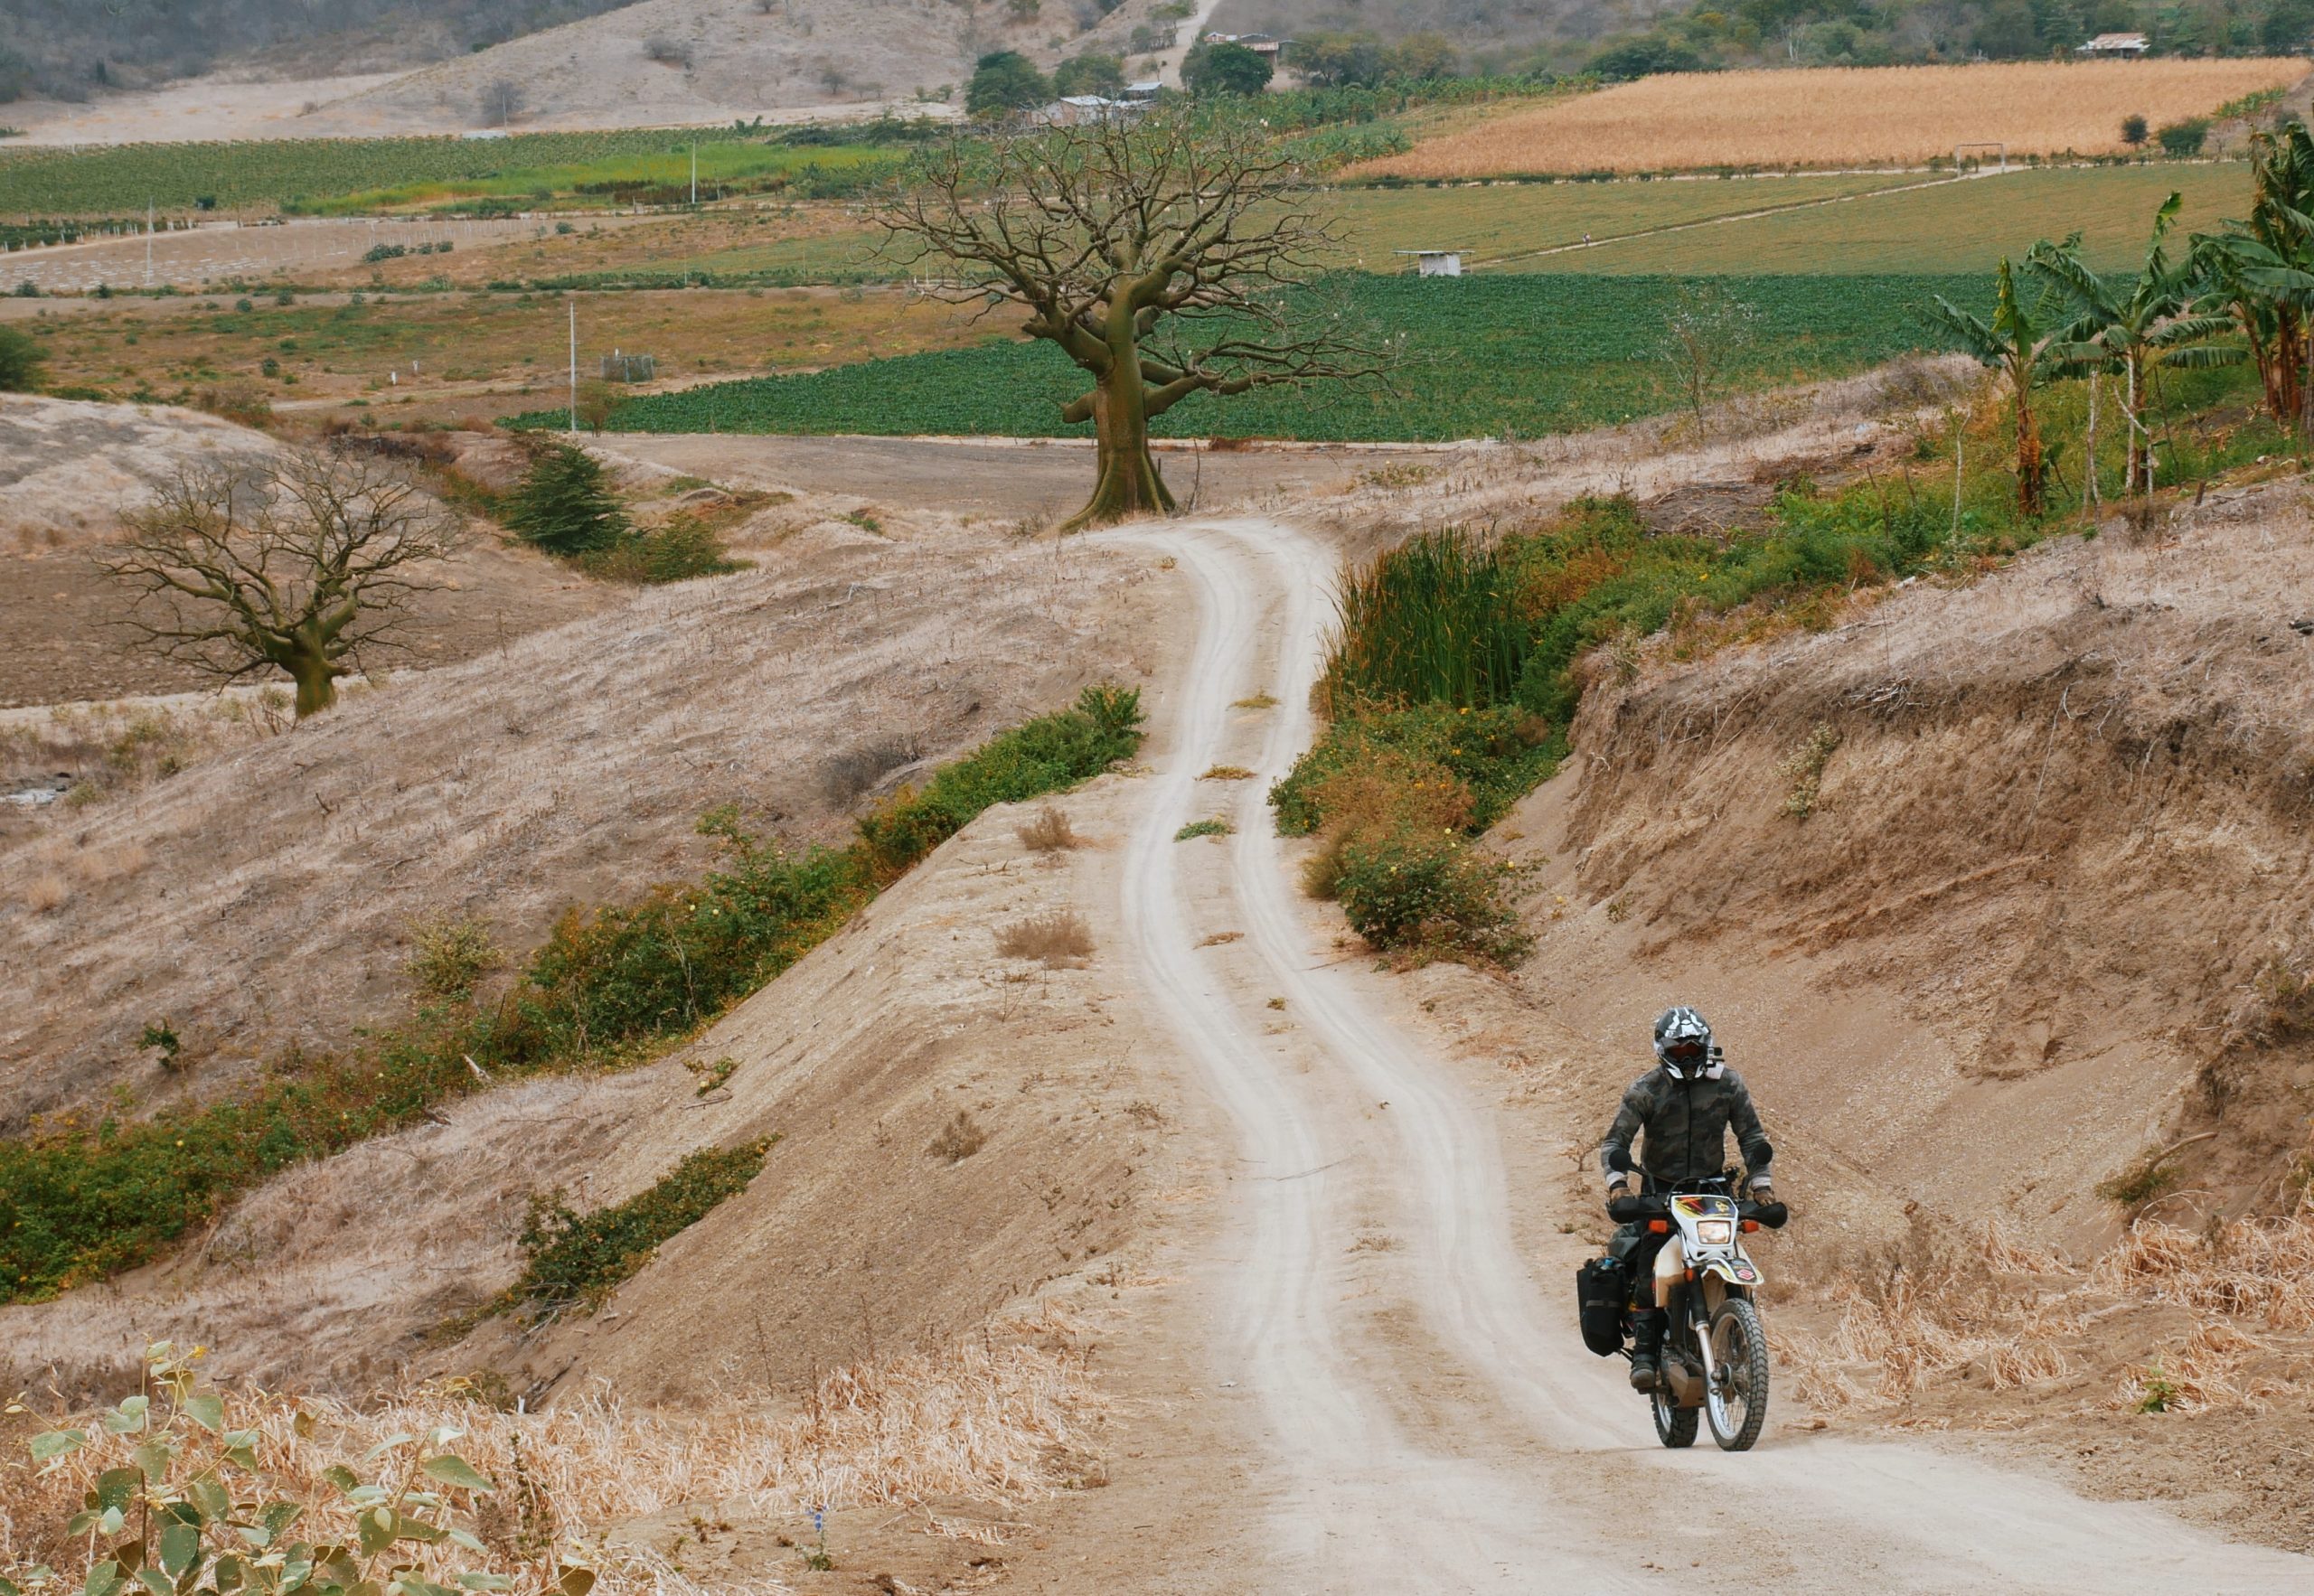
x: 307, y: 567
x: 1705, y: 331
x: 502, y: 102
x: 1163, y: 256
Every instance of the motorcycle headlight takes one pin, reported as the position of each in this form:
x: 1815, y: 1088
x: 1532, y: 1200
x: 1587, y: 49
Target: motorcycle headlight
x: 1716, y: 1232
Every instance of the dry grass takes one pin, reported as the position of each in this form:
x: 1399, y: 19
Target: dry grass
x: 44, y: 895
x: 1832, y: 116
x: 959, y: 1139
x: 1007, y: 1417
x: 2010, y: 1318
x: 1049, y: 832
x: 1062, y: 937
x: 1228, y: 772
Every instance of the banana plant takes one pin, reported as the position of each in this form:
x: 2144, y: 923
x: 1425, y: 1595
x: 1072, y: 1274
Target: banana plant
x: 2023, y: 352
x: 2131, y: 332
x: 2258, y: 273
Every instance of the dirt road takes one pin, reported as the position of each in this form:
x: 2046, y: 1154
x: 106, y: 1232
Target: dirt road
x: 1423, y: 1415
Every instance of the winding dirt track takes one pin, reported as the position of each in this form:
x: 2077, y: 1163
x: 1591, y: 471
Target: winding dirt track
x: 1445, y: 1430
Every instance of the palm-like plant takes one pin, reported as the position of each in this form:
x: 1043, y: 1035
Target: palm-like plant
x: 2021, y: 351
x: 2258, y: 273
x: 2131, y: 332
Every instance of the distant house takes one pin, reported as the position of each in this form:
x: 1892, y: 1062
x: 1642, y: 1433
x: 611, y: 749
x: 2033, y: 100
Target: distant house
x: 1075, y: 110
x: 1435, y: 263
x: 1141, y: 94
x: 1261, y: 45
x: 2123, y: 45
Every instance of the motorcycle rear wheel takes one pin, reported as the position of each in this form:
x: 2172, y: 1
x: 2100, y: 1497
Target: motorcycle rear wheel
x: 1736, y: 1401
x: 1675, y: 1426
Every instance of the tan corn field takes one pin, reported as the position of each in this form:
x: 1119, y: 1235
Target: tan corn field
x: 1833, y: 117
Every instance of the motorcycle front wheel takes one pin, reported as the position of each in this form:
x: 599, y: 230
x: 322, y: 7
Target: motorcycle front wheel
x: 1735, y: 1400
x: 1674, y: 1425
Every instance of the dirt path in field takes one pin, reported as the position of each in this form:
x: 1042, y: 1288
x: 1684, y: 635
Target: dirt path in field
x: 1751, y: 215
x: 1362, y: 1385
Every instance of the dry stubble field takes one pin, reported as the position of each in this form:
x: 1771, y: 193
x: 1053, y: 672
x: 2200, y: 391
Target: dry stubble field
x: 1828, y: 117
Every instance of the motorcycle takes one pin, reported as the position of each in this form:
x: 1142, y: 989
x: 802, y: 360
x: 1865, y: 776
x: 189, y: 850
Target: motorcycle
x: 1713, y: 1363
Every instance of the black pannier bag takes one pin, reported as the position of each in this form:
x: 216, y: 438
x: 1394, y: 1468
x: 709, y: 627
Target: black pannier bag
x: 1601, y: 1290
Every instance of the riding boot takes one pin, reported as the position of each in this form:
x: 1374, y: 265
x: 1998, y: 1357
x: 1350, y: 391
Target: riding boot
x: 1647, y: 1346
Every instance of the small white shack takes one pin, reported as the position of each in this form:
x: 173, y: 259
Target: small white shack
x: 1435, y: 263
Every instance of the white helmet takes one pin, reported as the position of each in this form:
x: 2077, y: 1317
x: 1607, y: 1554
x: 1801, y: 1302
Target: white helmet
x: 1683, y: 1045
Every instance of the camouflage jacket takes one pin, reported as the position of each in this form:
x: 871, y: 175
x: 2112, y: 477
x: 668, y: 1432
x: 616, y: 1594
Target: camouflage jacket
x: 1685, y: 1124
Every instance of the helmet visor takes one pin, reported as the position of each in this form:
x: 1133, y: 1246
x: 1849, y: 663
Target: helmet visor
x: 1686, y: 1050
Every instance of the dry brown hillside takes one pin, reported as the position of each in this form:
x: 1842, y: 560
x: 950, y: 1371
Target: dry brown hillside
x: 2021, y: 933
x: 263, y: 897
x: 674, y: 62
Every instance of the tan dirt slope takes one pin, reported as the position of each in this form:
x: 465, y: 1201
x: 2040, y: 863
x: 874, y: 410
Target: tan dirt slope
x: 274, y: 886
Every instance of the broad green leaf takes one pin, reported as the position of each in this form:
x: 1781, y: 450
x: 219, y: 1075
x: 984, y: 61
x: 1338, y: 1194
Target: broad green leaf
x: 386, y: 1446
x: 376, y: 1529
x: 230, y: 1575
x: 153, y: 1581
x: 419, y: 1530
x: 180, y: 1546
x: 130, y: 1416
x: 452, y: 1469
x: 207, y: 1410
x: 277, y: 1517
x: 574, y: 1582
x: 117, y: 1487
x: 363, y: 1496
x: 104, y: 1579
x: 9, y: 1587
x: 340, y: 1475
x: 216, y: 1506
x: 58, y: 1443
x: 154, y: 1459
x: 81, y: 1524
x: 111, y: 1521
x: 471, y: 1541
x: 485, y: 1581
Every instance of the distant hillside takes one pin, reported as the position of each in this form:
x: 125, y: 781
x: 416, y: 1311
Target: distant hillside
x: 65, y: 48
x: 1623, y: 38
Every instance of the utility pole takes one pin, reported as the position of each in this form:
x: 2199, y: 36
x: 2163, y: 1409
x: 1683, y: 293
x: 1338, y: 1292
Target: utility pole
x: 148, y: 243
x: 694, y: 172
x: 574, y: 365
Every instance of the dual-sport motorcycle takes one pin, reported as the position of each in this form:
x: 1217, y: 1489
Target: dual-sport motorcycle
x: 1713, y: 1363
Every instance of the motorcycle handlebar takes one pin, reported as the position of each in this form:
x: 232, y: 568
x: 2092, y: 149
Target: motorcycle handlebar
x: 1624, y: 1210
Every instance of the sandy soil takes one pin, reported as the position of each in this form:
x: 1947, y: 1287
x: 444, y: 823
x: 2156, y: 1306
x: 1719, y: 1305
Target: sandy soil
x: 218, y: 107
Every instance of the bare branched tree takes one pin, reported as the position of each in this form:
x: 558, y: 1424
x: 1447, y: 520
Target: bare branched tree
x: 1166, y: 257
x: 308, y: 568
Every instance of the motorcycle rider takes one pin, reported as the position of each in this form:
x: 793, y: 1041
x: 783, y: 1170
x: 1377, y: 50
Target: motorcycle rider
x: 1684, y: 1107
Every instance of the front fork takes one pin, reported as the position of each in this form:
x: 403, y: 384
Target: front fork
x: 1686, y: 1305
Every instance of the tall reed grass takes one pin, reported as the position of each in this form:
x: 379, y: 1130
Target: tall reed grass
x: 1435, y: 621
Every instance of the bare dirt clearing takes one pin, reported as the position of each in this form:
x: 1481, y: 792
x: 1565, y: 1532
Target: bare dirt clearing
x: 214, y: 107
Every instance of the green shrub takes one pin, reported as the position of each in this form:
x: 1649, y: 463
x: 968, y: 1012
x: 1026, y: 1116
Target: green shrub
x: 448, y: 955
x: 678, y: 551
x: 2184, y: 138
x: 563, y: 505
x: 1429, y: 895
x: 1047, y: 754
x: 1205, y: 828
x: 21, y: 360
x: 581, y: 1259
x: 1495, y: 756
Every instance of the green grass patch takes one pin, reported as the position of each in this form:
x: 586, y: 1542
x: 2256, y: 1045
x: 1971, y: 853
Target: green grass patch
x: 1212, y: 827
x: 577, y: 1260
x: 611, y: 985
x: 1494, y: 356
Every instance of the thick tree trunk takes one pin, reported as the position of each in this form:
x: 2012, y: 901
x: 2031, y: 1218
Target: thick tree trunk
x: 1129, y: 483
x: 2028, y: 455
x: 316, y: 681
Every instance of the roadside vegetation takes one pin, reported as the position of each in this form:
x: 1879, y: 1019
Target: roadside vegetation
x: 612, y: 984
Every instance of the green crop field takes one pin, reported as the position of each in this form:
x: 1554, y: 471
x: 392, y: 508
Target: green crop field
x: 309, y: 173
x: 1511, y: 355
x: 1957, y: 226
x: 1492, y: 221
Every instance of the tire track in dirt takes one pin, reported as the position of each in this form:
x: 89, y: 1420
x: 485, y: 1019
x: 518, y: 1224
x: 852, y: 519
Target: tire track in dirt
x: 1443, y: 1430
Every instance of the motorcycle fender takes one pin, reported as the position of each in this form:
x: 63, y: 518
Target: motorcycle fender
x: 1739, y: 1272
x: 1670, y: 1269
